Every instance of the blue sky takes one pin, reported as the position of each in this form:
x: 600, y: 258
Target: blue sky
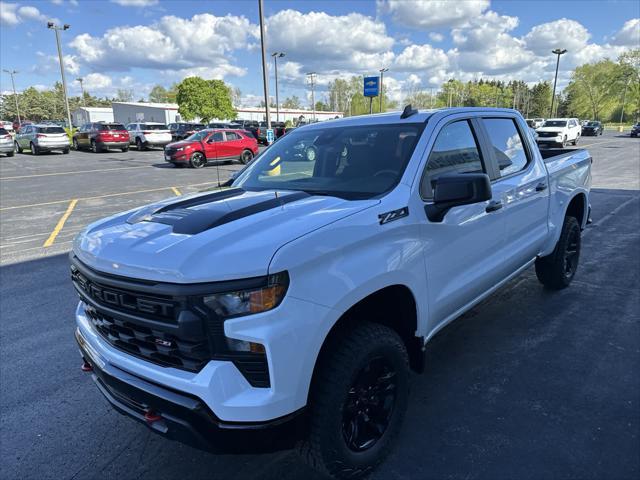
x: 138, y: 43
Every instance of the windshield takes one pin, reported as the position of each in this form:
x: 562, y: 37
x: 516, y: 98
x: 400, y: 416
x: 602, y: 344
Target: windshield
x: 50, y: 129
x: 349, y: 162
x: 148, y: 126
x: 111, y: 126
x: 593, y: 124
x: 199, y: 135
x: 555, y: 123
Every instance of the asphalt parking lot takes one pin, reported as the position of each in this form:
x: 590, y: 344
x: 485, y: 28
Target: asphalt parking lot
x: 528, y: 385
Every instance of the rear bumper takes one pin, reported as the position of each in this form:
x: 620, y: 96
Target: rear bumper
x: 176, y: 416
x: 6, y: 147
x: 52, y: 146
x: 121, y: 144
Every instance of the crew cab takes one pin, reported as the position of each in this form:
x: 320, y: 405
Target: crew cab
x: 100, y: 136
x: 149, y: 134
x: 308, y: 290
x: 559, y: 132
x: 212, y: 144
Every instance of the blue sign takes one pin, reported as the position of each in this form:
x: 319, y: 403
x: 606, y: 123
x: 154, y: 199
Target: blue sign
x: 371, y: 86
x: 270, y: 135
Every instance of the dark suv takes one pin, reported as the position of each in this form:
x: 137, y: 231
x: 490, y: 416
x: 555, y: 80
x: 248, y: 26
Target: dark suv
x: 101, y: 136
x: 182, y: 130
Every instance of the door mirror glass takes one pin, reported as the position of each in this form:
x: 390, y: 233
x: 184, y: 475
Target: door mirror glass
x: 454, y: 190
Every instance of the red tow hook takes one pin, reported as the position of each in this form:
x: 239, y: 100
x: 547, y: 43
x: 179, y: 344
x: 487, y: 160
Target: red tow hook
x: 86, y: 367
x: 151, y: 417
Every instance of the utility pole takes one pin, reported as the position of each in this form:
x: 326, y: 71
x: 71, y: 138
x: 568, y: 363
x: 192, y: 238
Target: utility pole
x: 56, y: 29
x: 624, y: 96
x: 382, y: 70
x: 265, y: 77
x: 275, y: 56
x: 81, y: 80
x: 15, y: 95
x: 312, y: 81
x: 557, y: 52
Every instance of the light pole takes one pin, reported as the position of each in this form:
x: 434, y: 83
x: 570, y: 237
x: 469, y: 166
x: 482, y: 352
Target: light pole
x: 312, y: 82
x: 265, y: 78
x: 382, y: 70
x: 275, y: 56
x: 56, y: 28
x: 15, y: 95
x: 557, y: 52
x: 81, y: 80
x: 624, y: 96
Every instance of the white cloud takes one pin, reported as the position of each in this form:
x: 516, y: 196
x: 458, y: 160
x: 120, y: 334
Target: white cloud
x: 432, y: 13
x: 421, y: 57
x: 171, y: 43
x: 436, y: 37
x: 51, y: 64
x: 323, y: 42
x: 96, y: 82
x: 135, y: 3
x: 12, y: 14
x: 629, y: 34
x: 563, y: 33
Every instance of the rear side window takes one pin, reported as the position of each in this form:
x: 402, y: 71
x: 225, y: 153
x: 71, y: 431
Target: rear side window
x: 110, y: 126
x: 147, y: 126
x: 51, y: 129
x: 454, y: 151
x: 232, y: 136
x: 507, y: 145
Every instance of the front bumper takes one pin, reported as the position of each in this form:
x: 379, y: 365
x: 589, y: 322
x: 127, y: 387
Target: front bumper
x: 556, y: 139
x: 174, y: 415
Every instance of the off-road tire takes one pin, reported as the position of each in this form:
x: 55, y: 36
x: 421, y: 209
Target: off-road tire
x: 552, y: 270
x: 325, y: 449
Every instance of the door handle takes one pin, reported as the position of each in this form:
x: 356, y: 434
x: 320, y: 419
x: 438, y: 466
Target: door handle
x: 493, y: 206
x: 541, y: 187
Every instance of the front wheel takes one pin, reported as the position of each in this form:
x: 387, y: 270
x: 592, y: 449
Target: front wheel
x: 564, y: 142
x: 575, y: 142
x: 358, y: 399
x: 556, y: 270
x: 246, y: 157
x: 18, y: 148
x: 197, y: 160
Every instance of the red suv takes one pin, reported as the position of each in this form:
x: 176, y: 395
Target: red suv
x: 101, y: 136
x: 212, y: 144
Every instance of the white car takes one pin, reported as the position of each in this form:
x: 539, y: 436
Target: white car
x: 535, y: 122
x: 149, y: 134
x: 6, y: 142
x: 308, y: 290
x: 559, y: 131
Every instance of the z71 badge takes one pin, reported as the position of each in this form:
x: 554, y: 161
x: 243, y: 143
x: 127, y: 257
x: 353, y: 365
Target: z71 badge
x: 393, y: 215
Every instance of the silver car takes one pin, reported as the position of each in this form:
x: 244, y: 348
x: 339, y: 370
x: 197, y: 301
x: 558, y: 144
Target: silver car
x: 6, y: 143
x: 42, y: 138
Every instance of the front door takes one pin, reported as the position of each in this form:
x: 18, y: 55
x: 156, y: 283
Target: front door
x: 211, y: 145
x: 463, y: 251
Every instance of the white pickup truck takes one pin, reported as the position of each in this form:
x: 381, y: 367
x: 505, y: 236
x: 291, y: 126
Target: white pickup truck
x: 308, y: 291
x: 559, y: 132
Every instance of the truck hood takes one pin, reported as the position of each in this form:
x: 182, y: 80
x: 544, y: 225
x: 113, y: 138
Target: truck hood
x: 551, y: 129
x: 207, y: 237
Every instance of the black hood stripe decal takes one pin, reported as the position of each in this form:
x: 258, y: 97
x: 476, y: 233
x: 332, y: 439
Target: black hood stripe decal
x: 184, y: 220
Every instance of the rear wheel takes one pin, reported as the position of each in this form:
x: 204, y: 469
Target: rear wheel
x: 358, y: 400
x: 197, y: 160
x: 10, y: 154
x: 75, y: 144
x: 556, y: 270
x: 246, y: 157
x: 125, y: 149
x: 34, y: 149
x: 17, y: 148
x: 94, y: 146
x: 65, y: 151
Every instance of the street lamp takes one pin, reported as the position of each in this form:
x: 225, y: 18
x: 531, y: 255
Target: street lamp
x: 15, y: 95
x: 265, y: 78
x: 56, y: 28
x: 275, y: 56
x: 557, y: 52
x: 81, y: 80
x: 312, y: 81
x: 382, y: 70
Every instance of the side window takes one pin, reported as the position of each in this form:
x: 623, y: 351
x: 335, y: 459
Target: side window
x: 232, y: 136
x: 454, y: 151
x: 216, y: 137
x: 507, y: 145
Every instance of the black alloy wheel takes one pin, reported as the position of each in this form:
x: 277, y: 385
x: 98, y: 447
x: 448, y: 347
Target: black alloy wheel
x: 369, y: 405
x: 198, y: 160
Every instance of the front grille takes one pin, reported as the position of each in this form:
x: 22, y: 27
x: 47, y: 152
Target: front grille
x: 172, y: 330
x: 170, y: 151
x: 547, y: 134
x: 154, y: 345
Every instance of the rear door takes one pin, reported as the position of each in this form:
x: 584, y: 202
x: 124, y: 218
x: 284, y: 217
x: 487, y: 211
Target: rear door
x: 233, y: 144
x: 463, y: 251
x: 522, y: 187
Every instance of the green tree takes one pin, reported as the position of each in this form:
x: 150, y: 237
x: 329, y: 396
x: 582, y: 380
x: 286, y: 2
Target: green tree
x: 159, y: 94
x: 124, y: 95
x: 292, y: 103
x: 204, y: 99
x: 595, y: 89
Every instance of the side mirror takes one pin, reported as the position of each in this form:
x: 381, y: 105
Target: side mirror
x: 455, y: 190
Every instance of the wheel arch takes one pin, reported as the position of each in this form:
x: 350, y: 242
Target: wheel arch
x: 578, y: 208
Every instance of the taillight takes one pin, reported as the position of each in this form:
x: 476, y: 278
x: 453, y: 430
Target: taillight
x: 258, y: 131
x: 6, y: 137
x: 146, y: 133
x: 41, y: 135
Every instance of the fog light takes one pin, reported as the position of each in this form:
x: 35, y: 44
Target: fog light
x: 242, y: 346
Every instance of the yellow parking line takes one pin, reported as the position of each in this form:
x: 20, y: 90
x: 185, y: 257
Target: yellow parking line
x: 102, y: 196
x: 176, y: 191
x: 60, y: 224
x: 17, y: 177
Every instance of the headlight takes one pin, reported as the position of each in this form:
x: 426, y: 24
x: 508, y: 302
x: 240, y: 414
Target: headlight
x: 254, y: 300
x: 179, y: 149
